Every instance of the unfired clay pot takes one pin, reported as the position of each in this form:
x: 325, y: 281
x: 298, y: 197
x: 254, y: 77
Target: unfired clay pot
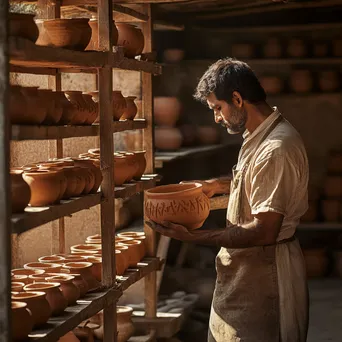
x: 179, y: 203
x: 273, y: 48
x: 71, y: 34
x: 93, y: 44
x: 316, y: 262
x: 328, y: 80
x: 23, y: 25
x: 22, y: 322
x: 296, y: 48
x: 20, y: 192
x: 272, y: 84
x: 131, y: 109
x: 69, y: 290
x: 131, y: 38
x: 167, y: 138
x: 36, y: 108
x: 37, y: 304
x: 84, y: 269
x: 166, y: 110
x: 17, y: 106
x: 301, y: 81
x: 54, y: 295
x: 207, y: 135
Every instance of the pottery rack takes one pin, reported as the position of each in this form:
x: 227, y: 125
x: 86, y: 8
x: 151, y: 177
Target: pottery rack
x: 22, y: 56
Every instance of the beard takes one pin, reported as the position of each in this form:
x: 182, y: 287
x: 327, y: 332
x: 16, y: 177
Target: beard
x: 237, y: 121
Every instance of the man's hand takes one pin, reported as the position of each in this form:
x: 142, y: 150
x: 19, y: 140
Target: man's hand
x: 213, y: 187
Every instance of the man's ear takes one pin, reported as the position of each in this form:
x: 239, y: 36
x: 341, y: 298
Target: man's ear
x: 237, y: 99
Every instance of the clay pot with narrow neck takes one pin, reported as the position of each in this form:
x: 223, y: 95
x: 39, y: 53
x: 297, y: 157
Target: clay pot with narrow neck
x: 329, y: 80
x: 69, y: 290
x: 296, y: 48
x: 131, y: 38
x: 85, y: 270
x: 121, y: 169
x: 23, y: 26
x: 185, y: 204
x: 46, y: 267
x: 273, y: 48
x: 301, y: 81
x: 37, y: 304
x: 20, y: 192
x: 93, y: 44
x: 54, y: 295
x: 46, y: 187
x: 17, y: 106
x: 166, y: 110
x: 22, y: 321
x: 17, y: 286
x: 78, y: 108
x: 92, y: 109
x: 119, y: 104
x: 36, y: 108
x: 167, y: 138
x: 131, y: 109
x: 80, y: 283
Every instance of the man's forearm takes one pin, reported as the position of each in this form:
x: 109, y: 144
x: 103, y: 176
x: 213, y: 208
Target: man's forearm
x: 222, y: 184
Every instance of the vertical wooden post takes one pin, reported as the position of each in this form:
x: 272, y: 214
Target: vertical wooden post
x: 5, y: 210
x: 105, y: 83
x: 147, y: 111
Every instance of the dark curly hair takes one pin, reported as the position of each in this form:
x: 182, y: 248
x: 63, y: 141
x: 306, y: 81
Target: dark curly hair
x: 226, y: 76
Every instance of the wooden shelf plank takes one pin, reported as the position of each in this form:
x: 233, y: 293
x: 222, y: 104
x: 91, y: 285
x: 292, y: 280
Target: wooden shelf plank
x: 21, y: 132
x: 128, y: 12
x: 74, y: 315
x: 322, y: 226
x: 137, y: 65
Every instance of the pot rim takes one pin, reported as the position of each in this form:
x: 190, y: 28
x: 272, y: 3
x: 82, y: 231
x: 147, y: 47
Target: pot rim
x: 18, y: 305
x: 45, y: 287
x: 28, y: 295
x: 156, y: 191
x: 44, y: 265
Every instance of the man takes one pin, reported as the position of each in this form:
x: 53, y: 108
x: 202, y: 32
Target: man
x: 261, y: 289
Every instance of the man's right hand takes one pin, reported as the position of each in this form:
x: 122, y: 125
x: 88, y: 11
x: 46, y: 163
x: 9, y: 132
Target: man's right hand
x: 211, y: 187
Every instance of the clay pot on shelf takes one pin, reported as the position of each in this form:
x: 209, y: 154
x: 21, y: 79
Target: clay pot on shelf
x: 243, y: 50
x: 46, y: 267
x: 37, y: 304
x: 132, y: 164
x: 20, y: 192
x: 63, y: 182
x: 93, y: 239
x: 73, y: 34
x: 78, y: 115
x: 17, y: 106
x: 273, y: 48
x: 331, y: 210
x: 93, y: 44
x: 137, y: 249
x: 131, y: 38
x: 337, y: 47
x: 120, y: 262
x: 16, y: 278
x: 37, y: 109
x: 27, y: 271
x: 173, y: 55
x: 51, y: 259
x: 166, y: 110
x: 167, y: 138
x: 207, y: 135
x: 320, y: 49
x: 84, y: 269
x: 70, y: 113
x: 92, y: 109
x: 22, y: 322
x: 333, y: 186
x: 121, y: 169
x: 37, y: 278
x: 69, y: 290
x: 53, y: 293
x: 316, y: 262
x: 328, y: 80
x: 301, y: 81
x: 17, y: 286
x: 84, y: 248
x: 140, y: 157
x: 23, y: 26
x: 131, y: 109
x: 80, y: 283
x: 272, y: 84
x: 47, y: 97
x: 119, y: 104
x: 96, y: 270
x: 43, y: 38
x: 134, y: 235
x: 179, y: 203
x: 296, y: 48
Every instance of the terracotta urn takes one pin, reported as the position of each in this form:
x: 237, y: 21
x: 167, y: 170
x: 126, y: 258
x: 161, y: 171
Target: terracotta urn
x: 69, y: 290
x: 119, y: 104
x: 46, y: 187
x: 333, y: 186
x: 80, y: 283
x: 131, y: 109
x: 22, y: 322
x: 337, y: 47
x: 47, y: 98
x: 46, y: 267
x: 23, y: 26
x: 96, y: 270
x: 79, y: 108
x: 51, y: 259
x: 328, y: 80
x: 120, y: 262
x: 73, y: 34
x: 296, y: 48
x: 17, y: 106
x: 273, y: 48
x: 37, y: 304
x: 320, y: 49
x: 167, y: 138
x: 20, y: 192
x: 166, y: 110
x: 301, y: 81
x: 17, y: 286
x: 272, y: 84
x: 85, y: 270
x: 140, y: 157
x: 243, y: 50
x: 53, y: 293
x: 121, y: 169
x: 316, y: 262
x: 179, y: 203
x: 331, y: 209
x: 93, y: 44
x: 37, y: 109
x: 16, y: 278
x: 173, y: 55
x: 207, y: 135
x: 131, y: 38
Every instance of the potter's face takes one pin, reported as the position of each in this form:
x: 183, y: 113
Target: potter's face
x: 231, y: 116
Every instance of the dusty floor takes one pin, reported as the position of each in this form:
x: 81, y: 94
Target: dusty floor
x: 325, y: 310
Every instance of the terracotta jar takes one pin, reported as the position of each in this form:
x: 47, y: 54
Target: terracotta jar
x: 166, y: 111
x: 328, y: 80
x: 79, y: 113
x: 120, y: 262
x: 316, y: 262
x: 73, y: 34
x: 140, y: 157
x: 121, y: 169
x: 69, y: 290
x: 35, y: 107
x: 131, y: 109
x: 17, y: 106
x: 243, y: 50
x: 46, y: 267
x: 179, y: 203
x: 47, y: 98
x: 320, y: 49
x: 80, y: 176
x: 80, y: 283
x: 92, y: 109
x: 273, y: 48
x: 333, y: 186
x: 167, y: 138
x: 17, y: 286
x: 45, y: 186
x: 272, y: 84
x: 296, y: 48
x: 51, y: 259
x: 93, y: 44
x: 20, y: 192
x: 337, y: 47
x: 207, y: 135
x: 54, y: 295
x: 37, y: 304
x: 119, y: 104
x: 22, y: 322
x: 16, y: 278
x: 301, y: 81
x: 138, y: 250
x: 132, y: 167
x: 331, y: 209
x: 23, y: 25
x: 96, y: 270
x: 131, y: 38
x: 85, y: 270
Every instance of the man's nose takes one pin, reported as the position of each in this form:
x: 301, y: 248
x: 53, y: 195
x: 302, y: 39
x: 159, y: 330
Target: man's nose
x: 218, y: 118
